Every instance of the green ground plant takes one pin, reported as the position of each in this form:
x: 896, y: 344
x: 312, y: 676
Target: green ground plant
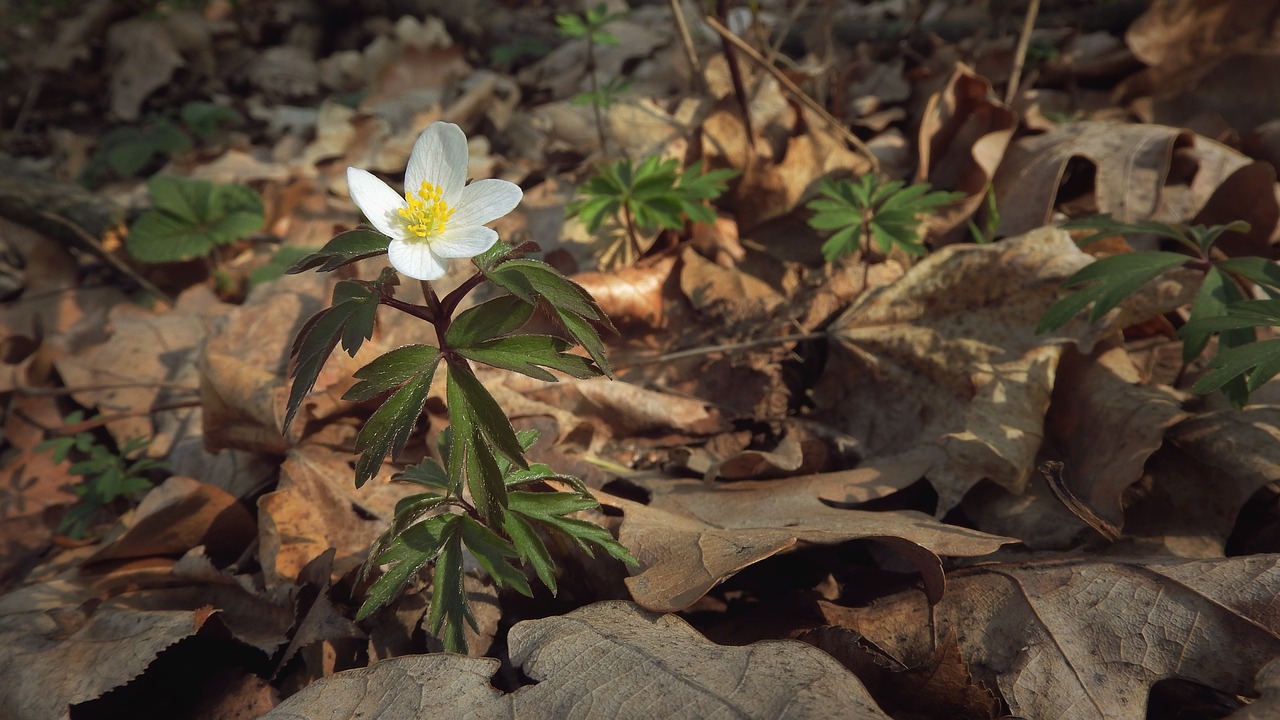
x: 590, y: 26
x: 870, y: 210
x: 656, y: 194
x: 191, y: 218
x: 1222, y: 307
x: 110, y: 477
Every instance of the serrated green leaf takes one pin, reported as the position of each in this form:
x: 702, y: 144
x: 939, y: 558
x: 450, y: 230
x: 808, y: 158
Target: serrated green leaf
x: 488, y: 320
x: 484, y: 479
x: 315, y: 342
x: 531, y: 279
x: 387, y: 430
x: 467, y: 395
x: 406, y: 553
x: 427, y: 473
x: 492, y: 552
x: 344, y: 248
x: 448, y: 598
x: 587, y: 337
x: 393, y: 369
x: 531, y: 549
x: 544, y: 505
x: 525, y: 353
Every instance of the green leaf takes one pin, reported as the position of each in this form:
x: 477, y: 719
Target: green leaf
x: 531, y: 549
x: 587, y: 337
x: 449, y: 599
x: 388, y: 428
x: 191, y: 217
x: 205, y: 118
x: 548, y: 509
x: 1216, y: 293
x: 406, y: 553
x: 345, y: 248
x: 315, y: 342
x: 530, y: 279
x: 525, y: 353
x: 1254, y: 269
x: 1260, y: 361
x: 427, y: 473
x: 492, y: 553
x: 488, y: 320
x: 1113, y: 279
x: 466, y: 394
x: 484, y: 479
x: 393, y: 369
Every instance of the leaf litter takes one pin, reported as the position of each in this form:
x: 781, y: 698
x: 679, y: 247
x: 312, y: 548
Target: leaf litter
x: 956, y: 516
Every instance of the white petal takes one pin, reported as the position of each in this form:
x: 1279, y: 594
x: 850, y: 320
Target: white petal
x: 463, y: 242
x: 416, y: 260
x: 377, y: 201
x: 440, y: 158
x: 484, y: 201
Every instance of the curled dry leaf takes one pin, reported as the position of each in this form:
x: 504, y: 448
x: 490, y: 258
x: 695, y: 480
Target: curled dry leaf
x: 1087, y: 639
x: 963, y: 137
x: 1110, y: 424
x: 1137, y: 177
x: 178, y: 515
x: 605, y: 660
x: 631, y: 295
x: 694, y: 536
x: 948, y: 356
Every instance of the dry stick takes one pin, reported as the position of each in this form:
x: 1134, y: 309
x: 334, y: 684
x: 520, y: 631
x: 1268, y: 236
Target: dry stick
x: 795, y: 91
x: 735, y: 70
x: 690, y: 53
x: 55, y: 392
x: 107, y: 257
x: 1020, y: 54
x: 92, y: 423
x: 708, y: 349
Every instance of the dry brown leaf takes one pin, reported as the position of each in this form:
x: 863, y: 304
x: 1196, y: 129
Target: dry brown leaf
x: 178, y: 515
x: 1212, y: 463
x: 631, y: 295
x: 694, y: 535
x: 963, y: 138
x: 605, y: 660
x: 1087, y: 639
x: 1137, y: 177
x: 943, y: 687
x: 316, y: 507
x: 145, y: 53
x: 622, y: 408
x: 948, y: 356
x: 56, y: 655
x: 1110, y: 425
x: 726, y: 294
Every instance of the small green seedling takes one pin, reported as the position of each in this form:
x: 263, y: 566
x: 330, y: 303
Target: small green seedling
x: 656, y: 194
x: 192, y: 217
x: 109, y: 477
x: 1220, y: 308
x: 126, y: 151
x: 591, y: 27
x: 870, y: 210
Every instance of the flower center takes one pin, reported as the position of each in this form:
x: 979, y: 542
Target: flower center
x: 427, y: 214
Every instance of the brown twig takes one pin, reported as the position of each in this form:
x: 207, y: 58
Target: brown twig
x: 105, y: 256
x: 708, y: 349
x: 729, y: 41
x: 1020, y: 54
x: 795, y: 91
x: 686, y: 40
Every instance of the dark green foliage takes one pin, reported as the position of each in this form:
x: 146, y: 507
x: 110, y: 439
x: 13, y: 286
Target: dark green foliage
x: 866, y: 210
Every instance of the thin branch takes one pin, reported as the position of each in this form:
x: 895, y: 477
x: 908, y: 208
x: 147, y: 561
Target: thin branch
x: 686, y: 40
x: 1020, y: 54
x: 735, y: 70
x: 107, y: 257
x: 708, y: 349
x: 795, y: 91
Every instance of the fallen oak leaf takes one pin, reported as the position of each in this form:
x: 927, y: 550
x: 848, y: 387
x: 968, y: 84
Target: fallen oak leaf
x: 610, y: 659
x: 693, y: 536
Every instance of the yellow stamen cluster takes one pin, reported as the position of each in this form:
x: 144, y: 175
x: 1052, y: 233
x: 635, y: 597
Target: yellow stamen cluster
x: 427, y: 214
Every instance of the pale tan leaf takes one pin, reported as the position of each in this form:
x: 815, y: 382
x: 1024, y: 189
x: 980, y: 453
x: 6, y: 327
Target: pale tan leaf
x: 1087, y: 639
x: 605, y: 660
x: 694, y: 535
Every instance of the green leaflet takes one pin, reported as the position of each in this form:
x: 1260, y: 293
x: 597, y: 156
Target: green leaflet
x: 343, y: 249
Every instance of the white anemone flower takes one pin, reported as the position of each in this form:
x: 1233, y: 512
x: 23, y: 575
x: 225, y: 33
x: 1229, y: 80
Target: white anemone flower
x: 440, y: 216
